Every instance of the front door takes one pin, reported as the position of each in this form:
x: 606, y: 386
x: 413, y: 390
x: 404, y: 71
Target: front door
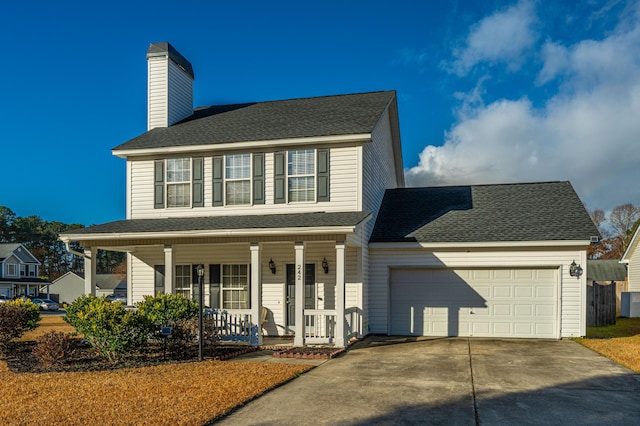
x: 309, y: 292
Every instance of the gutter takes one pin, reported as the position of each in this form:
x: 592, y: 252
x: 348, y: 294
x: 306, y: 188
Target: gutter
x: 67, y: 245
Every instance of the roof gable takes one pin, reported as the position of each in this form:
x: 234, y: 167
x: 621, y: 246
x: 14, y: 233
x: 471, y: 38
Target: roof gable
x: 273, y: 120
x: 633, y: 245
x: 548, y: 211
x: 19, y: 251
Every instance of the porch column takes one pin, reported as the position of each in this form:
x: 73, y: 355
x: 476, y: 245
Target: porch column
x: 340, y: 284
x: 169, y: 269
x: 256, y: 299
x: 90, y: 270
x: 299, y: 283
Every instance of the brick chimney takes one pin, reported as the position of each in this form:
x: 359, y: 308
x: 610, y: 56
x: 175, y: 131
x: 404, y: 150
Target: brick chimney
x: 169, y: 87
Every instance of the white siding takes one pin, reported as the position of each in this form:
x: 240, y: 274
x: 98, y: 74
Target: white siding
x: 572, y: 290
x: 343, y: 163
x: 170, y: 93
x: 273, y: 285
x: 378, y: 169
x: 633, y: 270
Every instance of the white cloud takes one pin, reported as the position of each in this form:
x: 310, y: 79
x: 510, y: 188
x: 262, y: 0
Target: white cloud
x: 587, y: 132
x: 501, y: 37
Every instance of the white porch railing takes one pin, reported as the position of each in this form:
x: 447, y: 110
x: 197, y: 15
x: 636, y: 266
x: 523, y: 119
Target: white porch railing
x: 234, y: 325
x: 319, y: 326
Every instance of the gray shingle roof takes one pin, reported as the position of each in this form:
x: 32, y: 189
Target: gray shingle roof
x: 293, y: 118
x: 483, y: 213
x: 606, y: 270
x: 299, y: 220
x: 8, y: 249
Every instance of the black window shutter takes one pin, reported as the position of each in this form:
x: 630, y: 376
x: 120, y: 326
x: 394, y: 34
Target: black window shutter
x: 159, y: 279
x: 158, y: 185
x: 198, y: 182
x: 218, y: 181
x: 214, y: 286
x: 258, y: 178
x: 323, y: 174
x: 279, y: 178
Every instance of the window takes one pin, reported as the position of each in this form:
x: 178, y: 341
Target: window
x: 301, y: 175
x: 183, y: 280
x: 23, y: 270
x: 12, y: 270
x: 238, y: 179
x: 178, y: 182
x: 235, y: 287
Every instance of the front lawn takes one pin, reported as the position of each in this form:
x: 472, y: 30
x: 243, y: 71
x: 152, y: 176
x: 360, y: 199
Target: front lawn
x: 169, y: 393
x: 619, y: 342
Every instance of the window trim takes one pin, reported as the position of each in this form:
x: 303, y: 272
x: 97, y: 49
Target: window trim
x: 314, y: 176
x: 181, y: 289
x: 14, y: 267
x: 224, y: 289
x: 248, y: 179
x: 188, y: 183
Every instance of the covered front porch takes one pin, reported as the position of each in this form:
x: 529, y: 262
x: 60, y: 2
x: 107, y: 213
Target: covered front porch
x: 301, y: 283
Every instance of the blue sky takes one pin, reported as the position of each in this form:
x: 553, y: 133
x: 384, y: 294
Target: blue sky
x: 488, y: 92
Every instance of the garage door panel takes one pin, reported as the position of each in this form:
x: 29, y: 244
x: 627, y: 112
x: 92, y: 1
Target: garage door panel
x: 501, y: 310
x: 502, y: 291
x: 467, y: 302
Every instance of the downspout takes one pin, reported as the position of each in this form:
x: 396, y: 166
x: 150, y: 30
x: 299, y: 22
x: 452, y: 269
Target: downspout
x: 67, y: 245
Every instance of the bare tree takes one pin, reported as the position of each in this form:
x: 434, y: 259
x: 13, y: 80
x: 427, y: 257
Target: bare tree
x: 622, y: 218
x: 599, y: 218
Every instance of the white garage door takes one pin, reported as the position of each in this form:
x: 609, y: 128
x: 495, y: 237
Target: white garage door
x: 474, y: 302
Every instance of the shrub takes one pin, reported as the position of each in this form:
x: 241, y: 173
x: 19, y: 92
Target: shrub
x: 171, y: 310
x: 53, y: 347
x: 108, y: 327
x: 32, y: 310
x: 13, y: 322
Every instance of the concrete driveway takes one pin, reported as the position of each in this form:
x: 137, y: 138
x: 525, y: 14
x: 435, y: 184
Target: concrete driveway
x: 385, y: 380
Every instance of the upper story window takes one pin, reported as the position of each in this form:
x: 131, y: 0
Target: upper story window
x: 301, y: 175
x: 238, y: 179
x: 12, y: 270
x: 178, y: 182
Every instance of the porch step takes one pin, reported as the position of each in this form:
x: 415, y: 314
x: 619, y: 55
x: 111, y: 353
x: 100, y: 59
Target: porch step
x: 308, y: 352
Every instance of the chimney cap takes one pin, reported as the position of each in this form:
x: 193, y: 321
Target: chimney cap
x: 166, y: 49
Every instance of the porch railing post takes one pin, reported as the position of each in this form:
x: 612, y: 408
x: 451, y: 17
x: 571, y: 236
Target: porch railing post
x: 340, y: 287
x: 256, y: 299
x: 299, y: 284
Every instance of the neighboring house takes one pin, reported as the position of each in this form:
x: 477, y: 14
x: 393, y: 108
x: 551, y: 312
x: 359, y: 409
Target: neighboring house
x: 282, y: 203
x: 631, y: 258
x: 70, y: 286
x: 19, y: 272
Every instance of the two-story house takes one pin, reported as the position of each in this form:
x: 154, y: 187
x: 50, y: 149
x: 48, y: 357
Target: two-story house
x: 19, y: 272
x: 281, y: 203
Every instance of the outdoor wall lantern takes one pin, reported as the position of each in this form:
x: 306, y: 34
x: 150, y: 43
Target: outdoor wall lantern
x: 272, y: 266
x: 575, y: 270
x: 200, y: 272
x: 325, y: 265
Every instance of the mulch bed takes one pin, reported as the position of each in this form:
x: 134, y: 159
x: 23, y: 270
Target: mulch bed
x: 309, y: 352
x: 20, y: 359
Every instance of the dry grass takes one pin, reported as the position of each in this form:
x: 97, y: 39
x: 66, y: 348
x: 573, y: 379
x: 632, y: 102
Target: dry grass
x: 170, y: 394
x: 619, y: 342
x: 48, y: 323
x: 175, y: 394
